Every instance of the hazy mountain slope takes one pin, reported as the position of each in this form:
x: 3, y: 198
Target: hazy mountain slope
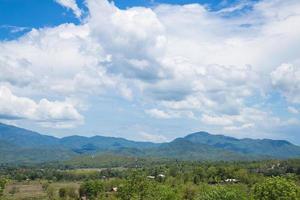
x: 25, y: 138
x: 274, y: 148
x: 21, y: 145
x: 13, y: 154
x: 100, y: 143
x: 186, y: 150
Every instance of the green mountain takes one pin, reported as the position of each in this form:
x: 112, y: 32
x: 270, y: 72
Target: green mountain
x: 183, y: 149
x: 19, y: 145
x: 258, y: 147
x: 94, y: 144
x: 25, y: 138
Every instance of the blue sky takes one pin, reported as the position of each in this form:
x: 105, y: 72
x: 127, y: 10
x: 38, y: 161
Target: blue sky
x: 37, y: 14
x: 151, y: 70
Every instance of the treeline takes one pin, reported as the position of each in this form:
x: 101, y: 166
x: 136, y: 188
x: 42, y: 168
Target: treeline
x: 137, y: 186
x: 210, y: 172
x: 264, y: 180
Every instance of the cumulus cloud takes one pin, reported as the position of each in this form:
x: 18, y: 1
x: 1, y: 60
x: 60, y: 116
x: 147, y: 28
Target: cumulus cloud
x: 152, y: 137
x: 293, y: 110
x: 183, y: 61
x: 286, y: 78
x: 158, y: 114
x: 169, y: 114
x: 58, y: 113
x: 216, y: 120
x: 71, y: 4
x: 15, y: 71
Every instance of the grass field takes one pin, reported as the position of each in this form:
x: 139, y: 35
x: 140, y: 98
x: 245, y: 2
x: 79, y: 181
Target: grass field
x: 34, y: 190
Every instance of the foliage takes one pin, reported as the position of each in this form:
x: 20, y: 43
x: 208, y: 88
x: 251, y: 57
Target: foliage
x: 221, y: 192
x: 92, y: 189
x: 140, y: 188
x: 170, y: 180
x: 62, y: 192
x: 2, y: 185
x: 276, y: 188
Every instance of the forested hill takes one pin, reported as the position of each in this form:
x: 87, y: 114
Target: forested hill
x: 19, y: 145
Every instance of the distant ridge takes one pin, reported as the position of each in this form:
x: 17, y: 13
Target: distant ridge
x: 265, y: 147
x: 18, y: 145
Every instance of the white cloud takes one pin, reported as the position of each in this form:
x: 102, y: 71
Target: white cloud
x: 293, y: 110
x: 239, y: 128
x: 50, y: 113
x: 216, y: 120
x: 152, y: 137
x: 158, y: 114
x: 286, y: 78
x: 15, y: 71
x: 182, y: 61
x: 161, y: 114
x: 62, y: 60
x: 71, y: 4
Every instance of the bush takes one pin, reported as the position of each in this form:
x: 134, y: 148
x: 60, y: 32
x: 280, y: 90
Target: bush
x: 62, y: 192
x: 189, y: 192
x: 50, y: 192
x: 72, y: 193
x: 222, y: 193
x: 2, y: 186
x: 139, y: 187
x: 275, y: 188
x: 92, y: 189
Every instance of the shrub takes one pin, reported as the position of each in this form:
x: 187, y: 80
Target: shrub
x: 92, y: 189
x: 2, y: 186
x: 275, y: 188
x: 62, y: 192
x: 221, y: 192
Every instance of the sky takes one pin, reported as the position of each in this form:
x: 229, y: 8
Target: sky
x: 151, y: 70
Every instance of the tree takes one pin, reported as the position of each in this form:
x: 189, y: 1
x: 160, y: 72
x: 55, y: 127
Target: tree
x: 62, y: 192
x: 138, y: 187
x: 71, y: 192
x: 212, y: 174
x: 189, y: 192
x: 135, y: 187
x: 275, y: 188
x: 222, y: 193
x: 92, y: 189
x: 2, y: 186
x: 199, y: 175
x: 165, y: 193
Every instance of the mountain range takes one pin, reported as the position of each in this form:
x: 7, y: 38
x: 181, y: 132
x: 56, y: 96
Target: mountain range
x: 18, y: 145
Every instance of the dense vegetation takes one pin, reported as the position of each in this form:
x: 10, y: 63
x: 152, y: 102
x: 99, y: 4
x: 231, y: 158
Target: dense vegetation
x: 164, y: 180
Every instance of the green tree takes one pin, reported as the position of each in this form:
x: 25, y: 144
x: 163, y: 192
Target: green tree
x: 138, y: 187
x: 189, y: 192
x: 72, y: 192
x: 135, y: 187
x: 199, y: 175
x: 165, y: 193
x: 62, y: 192
x: 92, y: 189
x: 275, y: 188
x: 222, y: 193
x: 2, y: 185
